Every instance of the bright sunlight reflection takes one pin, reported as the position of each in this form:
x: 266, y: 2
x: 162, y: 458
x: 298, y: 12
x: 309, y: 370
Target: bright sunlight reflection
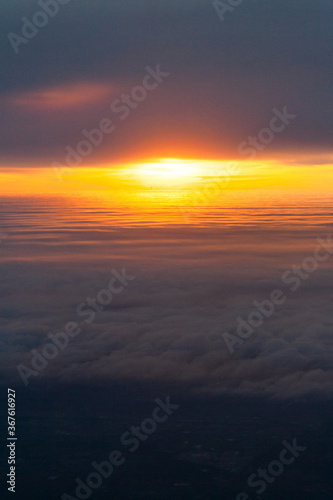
x: 169, y: 172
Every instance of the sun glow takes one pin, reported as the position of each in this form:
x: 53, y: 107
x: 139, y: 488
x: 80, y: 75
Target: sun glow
x: 173, y: 172
x: 170, y: 178
x: 168, y: 171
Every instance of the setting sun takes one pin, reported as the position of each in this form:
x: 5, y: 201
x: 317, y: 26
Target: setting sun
x: 174, y: 172
x: 169, y: 171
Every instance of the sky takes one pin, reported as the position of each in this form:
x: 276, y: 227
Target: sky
x: 224, y: 79
x: 166, y: 174
x: 171, y: 188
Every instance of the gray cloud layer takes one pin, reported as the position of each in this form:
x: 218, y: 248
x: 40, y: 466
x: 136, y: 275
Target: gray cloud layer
x: 225, y: 77
x: 167, y: 326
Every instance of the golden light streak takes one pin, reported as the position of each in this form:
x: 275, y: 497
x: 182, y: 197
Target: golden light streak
x: 167, y: 177
x: 168, y: 173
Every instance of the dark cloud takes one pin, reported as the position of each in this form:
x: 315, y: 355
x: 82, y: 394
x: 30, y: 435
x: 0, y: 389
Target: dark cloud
x: 225, y: 78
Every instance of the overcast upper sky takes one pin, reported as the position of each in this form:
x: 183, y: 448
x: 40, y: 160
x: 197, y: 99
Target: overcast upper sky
x: 225, y: 78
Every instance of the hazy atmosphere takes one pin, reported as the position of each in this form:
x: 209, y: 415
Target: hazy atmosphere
x: 166, y: 249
